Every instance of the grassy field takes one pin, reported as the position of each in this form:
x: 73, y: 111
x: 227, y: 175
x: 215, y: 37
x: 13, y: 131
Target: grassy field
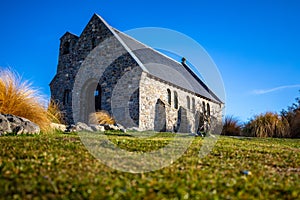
x: 58, y: 166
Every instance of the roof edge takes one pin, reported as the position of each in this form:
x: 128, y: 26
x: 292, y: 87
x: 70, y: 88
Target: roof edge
x: 147, y: 46
x: 123, y: 43
x: 69, y: 33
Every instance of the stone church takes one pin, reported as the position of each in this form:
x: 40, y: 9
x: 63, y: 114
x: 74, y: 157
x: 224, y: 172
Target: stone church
x: 105, y: 69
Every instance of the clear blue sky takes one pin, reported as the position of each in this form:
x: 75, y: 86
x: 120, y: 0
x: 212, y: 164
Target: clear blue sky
x: 254, y: 43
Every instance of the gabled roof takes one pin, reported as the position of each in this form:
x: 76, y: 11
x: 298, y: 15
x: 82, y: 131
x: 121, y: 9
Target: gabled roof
x: 167, y: 69
x: 162, y: 66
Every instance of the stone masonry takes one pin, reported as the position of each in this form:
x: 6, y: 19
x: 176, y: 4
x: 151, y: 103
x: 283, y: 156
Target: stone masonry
x: 104, y: 69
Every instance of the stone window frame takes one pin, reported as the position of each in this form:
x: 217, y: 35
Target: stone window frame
x: 66, y: 47
x: 208, y: 109
x: 93, y: 41
x: 66, y: 98
x: 203, y: 107
x: 169, y: 96
x: 188, y: 102
x: 193, y: 105
x: 175, y: 100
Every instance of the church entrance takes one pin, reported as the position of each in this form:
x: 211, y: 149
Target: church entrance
x: 97, y: 95
x: 90, y: 100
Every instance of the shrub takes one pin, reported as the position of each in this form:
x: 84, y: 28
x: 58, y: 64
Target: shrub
x: 267, y: 125
x: 295, y: 125
x: 231, y: 126
x: 292, y: 115
x: 18, y: 98
x: 293, y: 118
x: 101, y: 117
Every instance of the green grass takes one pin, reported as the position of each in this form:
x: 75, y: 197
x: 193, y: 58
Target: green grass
x: 58, y: 166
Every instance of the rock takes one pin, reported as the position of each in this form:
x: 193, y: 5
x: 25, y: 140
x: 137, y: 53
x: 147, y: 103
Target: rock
x: 80, y: 126
x: 122, y: 129
x: 120, y: 126
x: 246, y: 172
x: 4, y: 125
x: 70, y: 128
x: 96, y: 127
x: 17, y: 125
x: 111, y: 127
x: 30, y: 126
x: 60, y: 127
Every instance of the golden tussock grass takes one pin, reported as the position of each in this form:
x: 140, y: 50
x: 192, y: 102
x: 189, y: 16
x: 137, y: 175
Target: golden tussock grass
x: 101, y: 117
x: 267, y: 125
x: 18, y: 98
x: 54, y: 113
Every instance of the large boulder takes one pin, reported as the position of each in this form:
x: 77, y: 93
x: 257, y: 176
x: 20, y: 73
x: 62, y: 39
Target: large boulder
x: 4, y: 125
x: 17, y: 125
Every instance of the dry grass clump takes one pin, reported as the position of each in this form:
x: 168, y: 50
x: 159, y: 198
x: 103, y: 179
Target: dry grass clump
x: 18, y: 98
x: 231, y: 126
x: 54, y: 113
x: 101, y: 117
x: 267, y: 125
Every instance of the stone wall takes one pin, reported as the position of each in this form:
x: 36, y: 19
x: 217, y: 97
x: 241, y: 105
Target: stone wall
x: 181, y: 119
x: 118, y: 74
x: 98, y: 61
x: 72, y: 53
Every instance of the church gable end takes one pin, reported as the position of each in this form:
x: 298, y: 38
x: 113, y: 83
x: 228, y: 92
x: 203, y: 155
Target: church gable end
x: 72, y: 52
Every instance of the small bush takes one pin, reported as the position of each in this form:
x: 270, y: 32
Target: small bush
x: 101, y: 117
x: 292, y: 115
x: 267, y: 125
x: 231, y: 126
x: 295, y: 125
x: 18, y: 98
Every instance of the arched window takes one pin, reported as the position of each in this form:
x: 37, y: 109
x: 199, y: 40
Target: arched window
x: 169, y: 96
x: 208, y: 109
x: 188, y: 102
x: 66, y: 48
x: 193, y: 105
x: 175, y: 100
x: 67, y: 94
x: 203, y: 107
x: 93, y: 42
